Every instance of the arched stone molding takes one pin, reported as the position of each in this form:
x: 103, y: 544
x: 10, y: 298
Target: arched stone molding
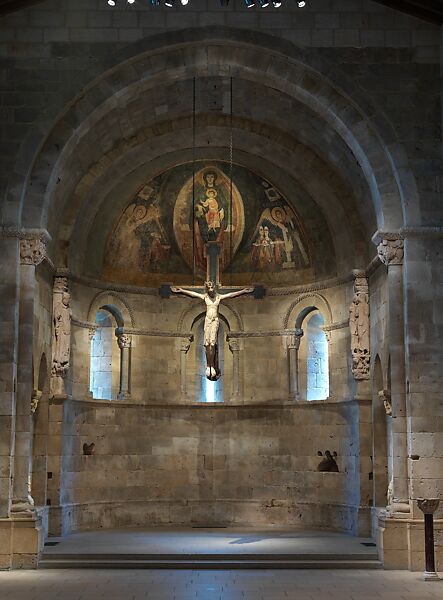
x: 115, y: 304
x: 335, y: 100
x: 305, y: 304
x: 194, y: 311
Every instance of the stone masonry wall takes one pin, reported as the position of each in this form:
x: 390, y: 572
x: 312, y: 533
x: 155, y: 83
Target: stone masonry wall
x: 208, y: 465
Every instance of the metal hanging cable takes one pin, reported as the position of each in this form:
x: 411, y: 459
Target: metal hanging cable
x: 231, y: 217
x: 193, y: 181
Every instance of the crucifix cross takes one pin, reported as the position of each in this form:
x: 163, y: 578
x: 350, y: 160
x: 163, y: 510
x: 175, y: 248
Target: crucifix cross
x: 212, y: 294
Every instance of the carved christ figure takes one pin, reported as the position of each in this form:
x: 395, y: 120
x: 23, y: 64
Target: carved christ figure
x: 212, y: 299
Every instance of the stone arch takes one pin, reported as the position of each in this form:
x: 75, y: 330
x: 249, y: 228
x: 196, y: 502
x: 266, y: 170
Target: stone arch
x: 335, y: 99
x: 303, y: 305
x: 115, y: 304
x: 194, y: 311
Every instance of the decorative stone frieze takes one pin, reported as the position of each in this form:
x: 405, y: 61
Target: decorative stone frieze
x: 390, y: 250
x: 32, y: 251
x: 61, y: 335
x: 359, y: 326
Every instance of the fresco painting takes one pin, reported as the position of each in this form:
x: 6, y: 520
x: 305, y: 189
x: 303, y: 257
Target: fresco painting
x: 264, y: 240
x: 207, y: 213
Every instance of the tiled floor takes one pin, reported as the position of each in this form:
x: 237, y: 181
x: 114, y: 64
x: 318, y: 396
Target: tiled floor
x: 215, y: 585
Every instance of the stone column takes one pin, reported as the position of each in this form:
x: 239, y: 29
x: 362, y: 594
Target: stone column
x: 234, y: 347
x: 428, y: 507
x: 32, y: 253
x: 293, y: 345
x: 185, y: 344
x: 124, y: 342
x: 390, y: 252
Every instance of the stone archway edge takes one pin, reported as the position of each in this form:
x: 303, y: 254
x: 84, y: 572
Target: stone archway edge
x: 329, y: 82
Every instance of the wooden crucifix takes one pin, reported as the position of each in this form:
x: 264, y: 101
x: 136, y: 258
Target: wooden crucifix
x: 212, y: 294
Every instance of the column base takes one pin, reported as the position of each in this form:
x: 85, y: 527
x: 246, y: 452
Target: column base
x: 21, y: 542
x: 430, y: 576
x: 123, y: 396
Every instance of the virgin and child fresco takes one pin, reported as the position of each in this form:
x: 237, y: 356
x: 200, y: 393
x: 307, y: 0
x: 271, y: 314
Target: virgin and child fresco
x: 162, y: 231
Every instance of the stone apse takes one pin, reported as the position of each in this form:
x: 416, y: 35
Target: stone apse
x: 112, y: 422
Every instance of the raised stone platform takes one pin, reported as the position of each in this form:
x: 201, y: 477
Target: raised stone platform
x: 210, y: 548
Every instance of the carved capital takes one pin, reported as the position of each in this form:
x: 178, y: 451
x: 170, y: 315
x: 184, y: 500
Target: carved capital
x: 124, y: 340
x: 185, y: 345
x: 390, y: 250
x: 428, y: 506
x: 234, y: 345
x: 91, y: 333
x: 32, y: 251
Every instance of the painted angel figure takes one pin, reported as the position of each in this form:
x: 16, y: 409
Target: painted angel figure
x: 212, y: 299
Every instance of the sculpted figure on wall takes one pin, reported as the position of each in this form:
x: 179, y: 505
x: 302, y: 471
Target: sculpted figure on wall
x: 61, y: 335
x: 359, y: 326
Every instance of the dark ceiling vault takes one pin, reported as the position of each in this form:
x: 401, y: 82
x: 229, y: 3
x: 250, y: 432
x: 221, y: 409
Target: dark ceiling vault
x: 428, y: 10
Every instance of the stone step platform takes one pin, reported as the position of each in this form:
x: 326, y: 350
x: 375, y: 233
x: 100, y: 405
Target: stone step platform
x: 207, y: 561
x: 209, y: 548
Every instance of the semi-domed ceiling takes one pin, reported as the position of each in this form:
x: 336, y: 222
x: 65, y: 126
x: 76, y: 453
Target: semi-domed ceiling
x: 160, y: 234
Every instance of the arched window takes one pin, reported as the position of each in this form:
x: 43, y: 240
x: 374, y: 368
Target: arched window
x: 105, y: 358
x: 209, y: 391
x: 317, y: 362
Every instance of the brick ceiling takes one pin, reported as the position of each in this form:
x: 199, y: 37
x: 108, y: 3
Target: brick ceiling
x: 428, y: 10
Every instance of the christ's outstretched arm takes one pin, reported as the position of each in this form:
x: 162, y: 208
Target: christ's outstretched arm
x: 179, y: 290
x: 247, y: 290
